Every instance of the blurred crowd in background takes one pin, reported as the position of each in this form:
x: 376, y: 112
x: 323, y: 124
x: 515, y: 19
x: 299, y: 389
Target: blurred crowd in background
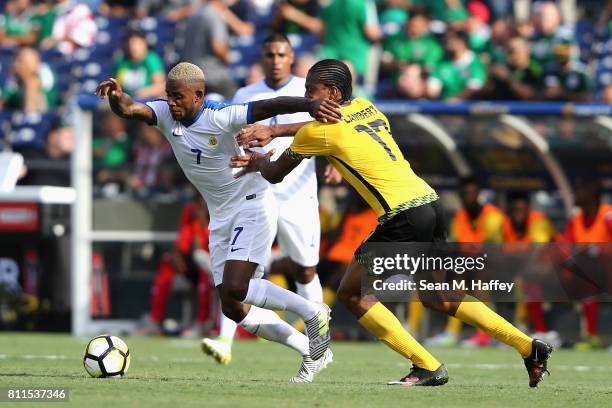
x: 53, y: 50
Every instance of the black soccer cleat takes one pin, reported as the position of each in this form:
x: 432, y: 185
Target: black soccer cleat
x: 536, y: 363
x: 421, y: 377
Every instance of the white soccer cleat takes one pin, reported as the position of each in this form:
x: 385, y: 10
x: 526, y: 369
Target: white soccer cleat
x: 444, y: 339
x: 317, y: 330
x: 219, y: 350
x: 310, y: 368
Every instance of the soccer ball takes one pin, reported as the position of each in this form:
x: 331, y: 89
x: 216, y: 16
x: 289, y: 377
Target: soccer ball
x: 106, y: 356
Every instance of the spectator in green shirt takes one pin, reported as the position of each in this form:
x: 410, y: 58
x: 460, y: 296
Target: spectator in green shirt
x: 24, y: 24
x: 451, y: 11
x: 44, y: 16
x: 111, y: 151
x: 350, y: 26
x: 297, y: 16
x: 569, y: 81
x: 417, y: 46
x: 140, y: 71
x: 461, y: 75
x: 31, y: 87
x: 477, y: 26
x: 549, y: 33
x: 392, y: 19
x: 500, y: 34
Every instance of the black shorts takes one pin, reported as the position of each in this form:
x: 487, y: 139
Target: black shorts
x: 424, y: 223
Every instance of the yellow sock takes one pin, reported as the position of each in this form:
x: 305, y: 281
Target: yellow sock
x: 279, y: 280
x: 299, y: 325
x: 384, y: 325
x: 329, y: 296
x: 453, y: 326
x: 521, y: 315
x: 415, y: 315
x: 476, y: 313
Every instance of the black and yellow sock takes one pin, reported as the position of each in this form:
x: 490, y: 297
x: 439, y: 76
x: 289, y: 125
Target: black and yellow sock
x: 385, y: 326
x: 476, y: 313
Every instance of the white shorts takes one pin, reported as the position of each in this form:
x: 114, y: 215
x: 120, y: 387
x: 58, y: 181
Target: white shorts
x: 299, y: 229
x: 247, y: 235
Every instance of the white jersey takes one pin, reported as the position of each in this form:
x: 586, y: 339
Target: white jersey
x: 203, y: 148
x: 302, y: 181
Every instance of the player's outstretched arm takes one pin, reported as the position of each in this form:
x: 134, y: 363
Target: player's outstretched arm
x: 273, y: 171
x: 122, y: 104
x: 256, y: 135
x: 323, y: 110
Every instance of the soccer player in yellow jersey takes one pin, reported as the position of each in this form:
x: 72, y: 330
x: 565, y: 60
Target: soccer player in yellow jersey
x: 362, y: 148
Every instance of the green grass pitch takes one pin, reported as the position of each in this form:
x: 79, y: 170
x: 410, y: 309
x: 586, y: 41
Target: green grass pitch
x: 169, y: 372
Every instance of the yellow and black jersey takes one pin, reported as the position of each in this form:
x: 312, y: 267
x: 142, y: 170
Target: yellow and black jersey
x: 362, y: 148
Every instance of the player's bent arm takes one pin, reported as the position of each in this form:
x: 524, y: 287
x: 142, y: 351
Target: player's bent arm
x: 125, y: 107
x: 286, y: 129
x: 257, y: 135
x: 273, y: 171
x: 122, y: 104
x: 323, y: 110
x: 276, y: 171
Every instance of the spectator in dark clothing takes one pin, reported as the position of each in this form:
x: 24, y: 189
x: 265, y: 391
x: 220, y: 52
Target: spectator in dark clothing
x: 173, y: 10
x: 151, y: 150
x: 518, y: 79
x: 207, y: 46
x: 569, y: 81
x: 297, y: 16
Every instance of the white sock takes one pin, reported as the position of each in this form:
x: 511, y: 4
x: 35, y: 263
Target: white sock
x: 268, y: 325
x: 267, y: 295
x: 227, y: 328
x: 312, y: 290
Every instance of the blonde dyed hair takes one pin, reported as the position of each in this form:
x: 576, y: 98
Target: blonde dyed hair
x: 186, y: 72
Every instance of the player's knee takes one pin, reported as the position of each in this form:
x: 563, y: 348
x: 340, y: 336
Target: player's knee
x: 232, y: 310
x: 306, y: 274
x: 347, y: 297
x: 444, y: 307
x: 230, y: 307
x: 234, y: 291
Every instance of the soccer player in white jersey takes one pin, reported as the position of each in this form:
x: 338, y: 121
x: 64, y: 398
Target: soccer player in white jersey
x: 242, y: 211
x: 298, y: 226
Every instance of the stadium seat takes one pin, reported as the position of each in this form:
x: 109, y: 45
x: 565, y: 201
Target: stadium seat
x: 5, y: 128
x: 304, y: 42
x: 30, y: 130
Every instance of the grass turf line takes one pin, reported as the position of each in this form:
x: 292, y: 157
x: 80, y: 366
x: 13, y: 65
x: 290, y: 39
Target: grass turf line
x: 173, y: 372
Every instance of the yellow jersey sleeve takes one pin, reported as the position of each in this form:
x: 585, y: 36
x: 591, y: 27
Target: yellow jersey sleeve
x: 311, y: 140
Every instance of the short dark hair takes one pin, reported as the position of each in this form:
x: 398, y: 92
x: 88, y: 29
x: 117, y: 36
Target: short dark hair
x: 460, y: 34
x: 591, y: 181
x: 467, y: 180
x: 420, y: 11
x: 275, y: 37
x: 333, y: 72
x: 517, y: 195
x: 134, y: 32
